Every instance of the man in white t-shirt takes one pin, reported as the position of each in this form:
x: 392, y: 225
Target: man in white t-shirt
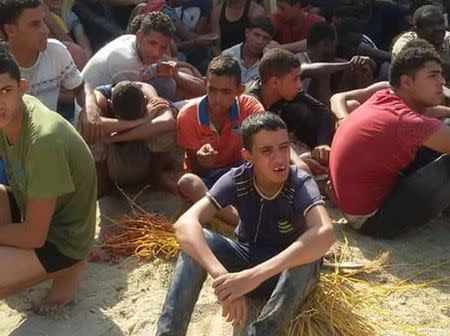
x: 140, y: 58
x: 45, y: 63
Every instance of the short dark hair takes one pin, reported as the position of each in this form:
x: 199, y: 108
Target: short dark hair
x: 135, y: 24
x: 225, y: 65
x: 277, y: 63
x: 262, y: 22
x: 10, y: 11
x: 257, y: 122
x: 410, y: 59
x: 319, y: 32
x: 128, y: 100
x: 158, y: 22
x: 345, y: 11
x: 421, y: 15
x: 302, y: 3
x: 8, y: 63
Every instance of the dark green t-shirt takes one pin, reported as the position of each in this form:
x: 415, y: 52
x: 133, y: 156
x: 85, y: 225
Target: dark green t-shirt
x: 50, y: 159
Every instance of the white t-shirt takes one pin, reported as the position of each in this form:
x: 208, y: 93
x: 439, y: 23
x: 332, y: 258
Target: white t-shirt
x: 115, y: 62
x: 53, y: 69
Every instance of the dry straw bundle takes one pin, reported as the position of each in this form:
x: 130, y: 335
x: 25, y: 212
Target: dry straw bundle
x: 338, y: 306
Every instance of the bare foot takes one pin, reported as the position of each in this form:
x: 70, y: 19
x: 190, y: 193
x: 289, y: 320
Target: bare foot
x: 65, y: 285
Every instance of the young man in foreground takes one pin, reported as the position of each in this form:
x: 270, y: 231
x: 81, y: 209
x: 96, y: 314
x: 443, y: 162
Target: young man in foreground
x: 47, y: 215
x: 283, y: 232
x: 392, y: 186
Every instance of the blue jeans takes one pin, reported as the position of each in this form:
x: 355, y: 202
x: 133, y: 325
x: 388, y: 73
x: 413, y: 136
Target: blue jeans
x: 285, y: 292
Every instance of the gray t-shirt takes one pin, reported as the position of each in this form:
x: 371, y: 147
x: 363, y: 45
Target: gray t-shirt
x: 275, y: 222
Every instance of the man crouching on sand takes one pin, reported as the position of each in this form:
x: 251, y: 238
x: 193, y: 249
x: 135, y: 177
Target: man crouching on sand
x: 283, y: 232
x: 47, y: 215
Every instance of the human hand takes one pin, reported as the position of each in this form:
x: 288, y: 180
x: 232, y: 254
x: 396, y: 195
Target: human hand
x: 167, y: 68
x: 90, y: 124
x: 236, y: 311
x: 231, y: 286
x: 362, y: 62
x: 316, y: 168
x: 155, y: 105
x: 206, y: 155
x: 321, y: 154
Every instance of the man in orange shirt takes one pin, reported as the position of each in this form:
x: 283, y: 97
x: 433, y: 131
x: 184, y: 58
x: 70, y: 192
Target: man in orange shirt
x: 208, y: 128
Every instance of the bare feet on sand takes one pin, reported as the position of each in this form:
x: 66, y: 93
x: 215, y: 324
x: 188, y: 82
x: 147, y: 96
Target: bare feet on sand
x: 65, y: 285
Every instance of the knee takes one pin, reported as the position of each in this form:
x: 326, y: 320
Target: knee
x: 191, y: 186
x: 306, y: 275
x: 165, y: 87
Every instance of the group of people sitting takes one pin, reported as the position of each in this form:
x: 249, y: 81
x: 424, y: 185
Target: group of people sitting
x: 290, y: 112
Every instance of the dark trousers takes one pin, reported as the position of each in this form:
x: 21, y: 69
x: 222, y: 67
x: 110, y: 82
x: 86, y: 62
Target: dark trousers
x: 422, y: 192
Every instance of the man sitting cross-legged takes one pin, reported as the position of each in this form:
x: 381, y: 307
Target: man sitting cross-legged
x: 391, y: 187
x: 283, y: 232
x: 47, y: 215
x: 141, y: 132
x: 208, y: 128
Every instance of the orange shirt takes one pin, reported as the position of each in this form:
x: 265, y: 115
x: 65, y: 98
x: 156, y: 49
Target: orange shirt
x: 194, y: 129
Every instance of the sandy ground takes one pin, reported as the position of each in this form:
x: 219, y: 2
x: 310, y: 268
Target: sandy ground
x: 126, y: 298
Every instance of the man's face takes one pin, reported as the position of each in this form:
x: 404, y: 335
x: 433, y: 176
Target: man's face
x: 426, y: 86
x: 433, y: 29
x: 221, y: 91
x: 270, y: 155
x: 151, y: 46
x: 11, y: 93
x: 30, y: 29
x: 257, y: 39
x: 289, y: 85
x: 286, y: 12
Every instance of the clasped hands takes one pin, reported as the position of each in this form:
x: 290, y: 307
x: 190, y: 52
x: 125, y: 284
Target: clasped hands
x: 230, y: 290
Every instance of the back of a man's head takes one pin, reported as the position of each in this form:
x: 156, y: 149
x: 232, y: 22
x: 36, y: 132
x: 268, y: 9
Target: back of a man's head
x: 411, y: 59
x: 225, y: 65
x: 10, y: 11
x: 277, y: 63
x: 128, y: 100
x: 8, y: 64
x: 157, y: 22
x: 424, y: 15
x: 262, y: 22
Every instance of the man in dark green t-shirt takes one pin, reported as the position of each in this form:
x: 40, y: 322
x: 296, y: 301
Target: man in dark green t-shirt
x: 47, y: 214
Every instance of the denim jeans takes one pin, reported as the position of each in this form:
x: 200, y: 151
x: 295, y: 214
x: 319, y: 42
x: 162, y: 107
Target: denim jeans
x: 285, y: 292
x: 422, y: 192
